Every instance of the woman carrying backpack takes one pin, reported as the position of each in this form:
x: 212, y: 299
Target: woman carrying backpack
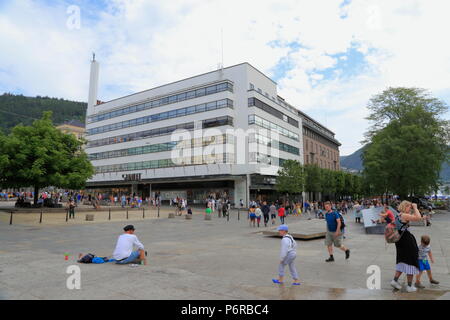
x: 407, y: 250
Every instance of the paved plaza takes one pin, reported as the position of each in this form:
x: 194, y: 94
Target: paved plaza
x: 198, y: 259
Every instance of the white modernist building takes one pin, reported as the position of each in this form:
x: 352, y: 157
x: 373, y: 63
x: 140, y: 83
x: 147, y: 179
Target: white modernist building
x: 222, y: 133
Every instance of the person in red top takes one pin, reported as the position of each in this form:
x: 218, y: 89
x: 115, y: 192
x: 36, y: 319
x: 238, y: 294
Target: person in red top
x: 385, y: 216
x: 282, y: 214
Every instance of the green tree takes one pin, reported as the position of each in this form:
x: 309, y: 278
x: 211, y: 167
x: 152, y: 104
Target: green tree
x: 40, y: 156
x: 313, y: 179
x: 407, y: 143
x: 328, y: 181
x: 290, y: 179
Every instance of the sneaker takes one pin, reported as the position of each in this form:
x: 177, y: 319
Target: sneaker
x: 411, y: 289
x: 396, y: 285
x: 419, y: 285
x: 434, y: 281
x: 347, y: 254
x: 330, y: 259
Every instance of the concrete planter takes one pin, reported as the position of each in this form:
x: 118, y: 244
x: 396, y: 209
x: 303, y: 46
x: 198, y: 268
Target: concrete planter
x: 89, y: 217
x: 171, y: 215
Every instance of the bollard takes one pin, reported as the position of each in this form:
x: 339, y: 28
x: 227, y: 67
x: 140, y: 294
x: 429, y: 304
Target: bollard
x: 239, y: 214
x: 158, y: 211
x: 40, y: 219
x: 109, y: 217
x: 10, y: 220
x: 67, y: 215
x: 143, y: 213
x: 228, y: 216
x: 127, y: 214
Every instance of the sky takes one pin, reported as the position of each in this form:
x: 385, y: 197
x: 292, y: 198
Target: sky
x: 328, y: 57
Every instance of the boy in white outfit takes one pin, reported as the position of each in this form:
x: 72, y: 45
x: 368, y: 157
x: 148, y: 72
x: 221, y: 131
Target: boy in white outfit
x: 287, y: 256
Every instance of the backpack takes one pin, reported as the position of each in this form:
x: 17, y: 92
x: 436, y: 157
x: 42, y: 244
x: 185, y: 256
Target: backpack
x: 391, y: 232
x: 87, y: 258
x: 342, y: 221
x: 293, y: 243
x: 99, y: 260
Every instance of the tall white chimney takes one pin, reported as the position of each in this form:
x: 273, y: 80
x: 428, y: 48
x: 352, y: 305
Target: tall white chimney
x: 93, y: 86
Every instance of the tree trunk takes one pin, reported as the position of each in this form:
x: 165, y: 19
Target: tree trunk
x: 36, y: 194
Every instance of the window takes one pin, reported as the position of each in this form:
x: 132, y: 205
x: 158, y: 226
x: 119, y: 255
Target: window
x: 181, y: 112
x: 200, y: 108
x: 200, y: 92
x: 252, y: 86
x: 211, y: 90
x: 190, y: 110
x: 211, y: 106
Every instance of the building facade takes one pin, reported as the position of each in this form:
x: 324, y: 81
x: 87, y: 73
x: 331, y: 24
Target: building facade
x: 73, y: 127
x: 320, y: 146
x: 224, y: 133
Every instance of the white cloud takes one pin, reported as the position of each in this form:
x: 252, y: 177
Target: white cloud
x: 142, y: 44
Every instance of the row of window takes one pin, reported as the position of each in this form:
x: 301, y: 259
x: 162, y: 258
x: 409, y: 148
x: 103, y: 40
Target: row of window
x: 168, y: 163
x: 160, y: 147
x: 313, y: 135
x: 260, y: 139
x: 225, y: 86
x: 319, y: 150
x: 209, y: 123
x: 280, y: 101
x: 253, y: 102
x: 254, y: 119
x: 255, y: 157
x: 214, y: 105
x: 317, y: 127
x: 323, y: 164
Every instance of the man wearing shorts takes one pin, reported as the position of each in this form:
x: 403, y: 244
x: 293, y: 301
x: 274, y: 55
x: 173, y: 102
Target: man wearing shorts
x: 334, y: 235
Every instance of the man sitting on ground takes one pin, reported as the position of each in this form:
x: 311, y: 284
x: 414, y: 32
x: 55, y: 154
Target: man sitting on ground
x: 124, y: 253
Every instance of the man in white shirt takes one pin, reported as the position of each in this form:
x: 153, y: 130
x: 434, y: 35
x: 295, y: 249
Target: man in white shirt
x: 124, y: 253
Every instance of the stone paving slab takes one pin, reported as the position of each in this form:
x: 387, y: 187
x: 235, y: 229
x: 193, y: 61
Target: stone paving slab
x: 302, y: 230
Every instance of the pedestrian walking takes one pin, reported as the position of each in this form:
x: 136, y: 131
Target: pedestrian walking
x: 282, y: 214
x: 334, y: 235
x: 407, y: 257
x: 265, y: 210
x: 71, y: 205
x: 288, y: 253
x: 273, y: 213
x: 424, y: 265
x: 258, y: 214
x: 252, y: 216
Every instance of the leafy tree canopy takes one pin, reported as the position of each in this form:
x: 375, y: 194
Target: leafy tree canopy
x: 40, y: 156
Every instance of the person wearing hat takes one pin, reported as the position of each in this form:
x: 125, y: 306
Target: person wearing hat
x: 287, y: 256
x: 124, y: 254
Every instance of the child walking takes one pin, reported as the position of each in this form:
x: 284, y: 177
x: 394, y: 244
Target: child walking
x: 424, y: 252
x: 287, y: 256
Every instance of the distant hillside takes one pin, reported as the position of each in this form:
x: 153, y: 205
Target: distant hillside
x: 15, y: 109
x: 354, y: 162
